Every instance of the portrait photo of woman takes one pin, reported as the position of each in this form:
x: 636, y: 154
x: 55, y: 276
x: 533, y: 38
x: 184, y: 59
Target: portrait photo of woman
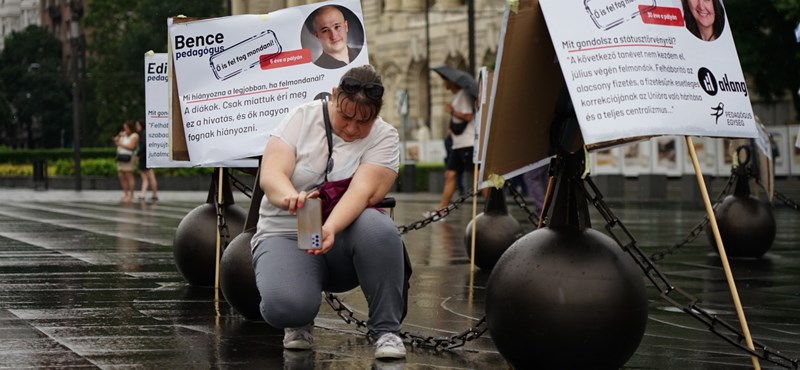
x: 704, y: 18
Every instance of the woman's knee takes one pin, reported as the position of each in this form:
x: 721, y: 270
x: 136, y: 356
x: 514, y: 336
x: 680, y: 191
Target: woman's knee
x: 374, y: 224
x: 285, y: 301
x: 289, y: 311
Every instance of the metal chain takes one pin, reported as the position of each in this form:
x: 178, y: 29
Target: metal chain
x: 436, y: 216
x: 780, y: 196
x: 246, y: 190
x: 697, y: 230
x: 520, y: 200
x: 224, y: 234
x: 438, y: 344
x: 714, y: 324
x: 787, y: 201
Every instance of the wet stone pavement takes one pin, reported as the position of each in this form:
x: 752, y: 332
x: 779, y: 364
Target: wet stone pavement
x: 88, y: 283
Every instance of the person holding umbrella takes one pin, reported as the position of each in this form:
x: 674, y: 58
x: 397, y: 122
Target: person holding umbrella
x: 461, y: 127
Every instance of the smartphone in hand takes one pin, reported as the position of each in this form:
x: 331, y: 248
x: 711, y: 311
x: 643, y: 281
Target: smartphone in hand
x: 309, y: 224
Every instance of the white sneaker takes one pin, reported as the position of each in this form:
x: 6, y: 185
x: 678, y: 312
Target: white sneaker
x: 389, y: 345
x: 298, y: 338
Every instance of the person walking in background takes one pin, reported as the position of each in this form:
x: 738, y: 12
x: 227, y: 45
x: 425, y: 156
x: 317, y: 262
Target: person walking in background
x: 147, y: 175
x: 462, y: 131
x: 126, y: 142
x: 536, y: 181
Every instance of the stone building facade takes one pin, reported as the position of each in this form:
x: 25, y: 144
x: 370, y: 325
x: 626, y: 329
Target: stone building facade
x: 57, y: 17
x: 405, y: 40
x: 16, y: 15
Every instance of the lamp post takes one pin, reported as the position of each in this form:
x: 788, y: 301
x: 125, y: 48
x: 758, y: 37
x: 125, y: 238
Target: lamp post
x: 76, y: 11
x: 471, y: 36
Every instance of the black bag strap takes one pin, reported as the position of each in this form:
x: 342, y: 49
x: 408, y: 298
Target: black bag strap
x: 329, y: 164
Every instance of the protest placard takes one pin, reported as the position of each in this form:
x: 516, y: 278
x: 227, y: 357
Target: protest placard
x: 524, y: 90
x: 157, y: 112
x: 157, y: 122
x: 636, y: 68
x: 236, y: 77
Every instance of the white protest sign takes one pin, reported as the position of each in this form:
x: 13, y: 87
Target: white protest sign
x: 797, y: 142
x: 238, y: 76
x: 157, y: 107
x: 634, y: 69
x: 157, y: 123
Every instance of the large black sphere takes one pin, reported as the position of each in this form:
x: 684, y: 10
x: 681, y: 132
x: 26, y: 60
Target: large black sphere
x: 495, y: 233
x: 237, y: 278
x: 195, y: 244
x: 746, y: 225
x: 566, y: 299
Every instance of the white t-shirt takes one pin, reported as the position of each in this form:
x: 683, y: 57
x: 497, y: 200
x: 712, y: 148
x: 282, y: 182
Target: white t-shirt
x: 462, y: 103
x: 303, y: 129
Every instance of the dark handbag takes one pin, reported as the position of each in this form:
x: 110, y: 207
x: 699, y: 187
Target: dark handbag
x: 330, y: 192
x: 457, y: 127
x: 124, y: 157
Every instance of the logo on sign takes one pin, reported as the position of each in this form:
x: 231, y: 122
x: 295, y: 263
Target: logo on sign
x: 719, y: 110
x: 707, y: 81
x: 711, y: 86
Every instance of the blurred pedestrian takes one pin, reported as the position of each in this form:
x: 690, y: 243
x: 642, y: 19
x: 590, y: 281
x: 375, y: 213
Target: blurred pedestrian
x: 147, y: 175
x: 126, y: 142
x: 462, y: 132
x: 535, y: 182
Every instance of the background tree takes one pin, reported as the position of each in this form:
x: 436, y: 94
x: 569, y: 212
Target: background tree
x: 35, y: 90
x: 768, y: 50
x: 122, y: 31
x: 7, y: 120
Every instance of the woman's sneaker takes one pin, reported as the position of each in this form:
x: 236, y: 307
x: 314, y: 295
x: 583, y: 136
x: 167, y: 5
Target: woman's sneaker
x: 389, y: 345
x: 298, y: 338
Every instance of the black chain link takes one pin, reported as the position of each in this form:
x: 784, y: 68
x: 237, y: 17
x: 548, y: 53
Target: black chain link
x: 438, y: 344
x: 787, y: 201
x: 780, y: 196
x: 714, y: 324
x: 222, y: 224
x: 436, y: 216
x: 520, y: 200
x: 697, y: 230
x: 246, y: 190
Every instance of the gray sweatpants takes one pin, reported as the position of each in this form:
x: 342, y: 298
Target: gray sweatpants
x: 368, y: 253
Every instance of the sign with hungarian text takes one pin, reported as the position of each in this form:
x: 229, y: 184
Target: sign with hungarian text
x: 157, y: 122
x: 156, y: 134
x: 238, y: 76
x: 638, y: 68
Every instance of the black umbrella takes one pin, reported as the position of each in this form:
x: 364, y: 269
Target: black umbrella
x: 458, y: 77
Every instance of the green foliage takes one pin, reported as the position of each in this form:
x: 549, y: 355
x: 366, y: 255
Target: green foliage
x: 89, y: 167
x: 35, y: 86
x: 27, y: 156
x: 123, y: 30
x: 101, y: 167
x: 421, y: 175
x: 765, y: 41
x: 15, y: 170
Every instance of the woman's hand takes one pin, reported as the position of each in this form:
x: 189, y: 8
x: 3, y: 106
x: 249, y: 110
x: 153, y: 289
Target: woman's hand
x: 328, y: 237
x: 292, y: 202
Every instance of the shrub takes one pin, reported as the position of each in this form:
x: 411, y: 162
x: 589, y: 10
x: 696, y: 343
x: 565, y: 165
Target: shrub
x: 23, y: 156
